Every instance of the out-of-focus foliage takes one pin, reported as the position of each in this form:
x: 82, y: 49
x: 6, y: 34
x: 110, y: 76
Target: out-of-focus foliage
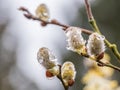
x: 99, y: 78
x: 5, y: 64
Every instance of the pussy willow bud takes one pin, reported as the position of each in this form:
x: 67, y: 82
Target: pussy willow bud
x: 42, y: 12
x: 75, y: 40
x: 48, y: 60
x: 68, y: 73
x: 95, y: 45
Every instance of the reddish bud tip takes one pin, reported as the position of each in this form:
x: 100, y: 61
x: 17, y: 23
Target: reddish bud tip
x: 100, y: 64
x: 43, y: 24
x: 49, y: 74
x: 71, y: 82
x: 100, y: 56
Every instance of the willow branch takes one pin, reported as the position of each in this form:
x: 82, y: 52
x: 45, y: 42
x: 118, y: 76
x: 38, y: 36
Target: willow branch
x: 90, y: 17
x: 60, y: 78
x: 100, y: 63
x: 92, y: 21
x: 28, y: 15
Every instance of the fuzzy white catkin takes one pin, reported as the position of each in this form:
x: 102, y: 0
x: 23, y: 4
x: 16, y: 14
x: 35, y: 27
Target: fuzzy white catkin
x: 68, y: 72
x: 74, y: 39
x: 95, y: 44
x: 46, y: 58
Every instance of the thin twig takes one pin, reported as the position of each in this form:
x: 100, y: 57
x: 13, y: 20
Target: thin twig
x: 89, y: 12
x: 65, y: 87
x: 60, y: 78
x: 100, y: 63
x: 92, y: 21
x: 91, y: 17
x: 28, y: 15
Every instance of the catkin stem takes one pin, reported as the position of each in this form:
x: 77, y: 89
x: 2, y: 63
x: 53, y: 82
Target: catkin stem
x: 93, y: 23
